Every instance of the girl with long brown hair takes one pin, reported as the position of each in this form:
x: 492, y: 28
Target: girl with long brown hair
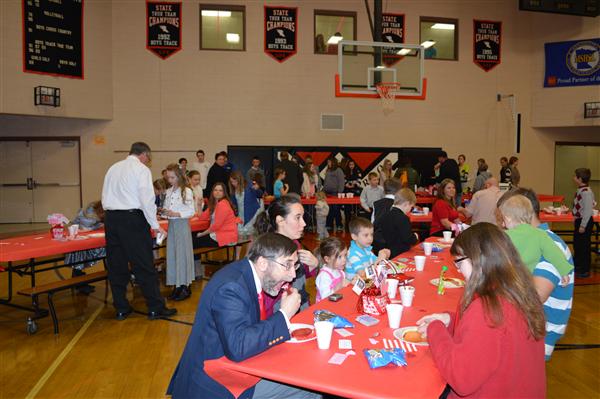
x: 493, y: 346
x: 223, y: 222
x: 179, y: 208
x: 444, y: 213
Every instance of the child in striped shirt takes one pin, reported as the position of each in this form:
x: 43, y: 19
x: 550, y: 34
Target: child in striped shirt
x: 360, y: 255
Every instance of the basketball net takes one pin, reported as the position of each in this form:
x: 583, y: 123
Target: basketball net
x: 387, y: 92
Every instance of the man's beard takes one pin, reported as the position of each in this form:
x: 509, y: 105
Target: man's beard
x: 270, y: 286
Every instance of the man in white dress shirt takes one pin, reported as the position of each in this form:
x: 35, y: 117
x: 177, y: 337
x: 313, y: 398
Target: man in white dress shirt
x: 128, y: 199
x: 202, y: 168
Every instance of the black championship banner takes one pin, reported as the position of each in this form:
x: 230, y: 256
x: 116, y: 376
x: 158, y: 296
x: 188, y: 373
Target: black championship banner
x: 487, y: 43
x: 53, y: 37
x: 281, y: 32
x: 392, y: 31
x: 163, y: 28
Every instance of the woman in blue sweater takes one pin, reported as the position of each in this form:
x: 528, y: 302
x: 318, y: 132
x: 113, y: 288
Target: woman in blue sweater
x: 246, y: 200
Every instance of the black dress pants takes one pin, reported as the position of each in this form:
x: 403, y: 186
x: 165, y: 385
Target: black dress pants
x: 582, y: 247
x: 129, y: 242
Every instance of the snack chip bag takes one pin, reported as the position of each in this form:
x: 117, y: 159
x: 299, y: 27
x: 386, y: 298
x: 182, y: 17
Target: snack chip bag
x: 382, y: 357
x: 338, y: 321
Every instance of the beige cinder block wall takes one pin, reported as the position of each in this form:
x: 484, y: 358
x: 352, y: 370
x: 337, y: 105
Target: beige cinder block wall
x: 209, y: 99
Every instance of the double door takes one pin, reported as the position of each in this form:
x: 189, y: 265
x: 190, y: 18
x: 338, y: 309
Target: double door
x: 39, y: 177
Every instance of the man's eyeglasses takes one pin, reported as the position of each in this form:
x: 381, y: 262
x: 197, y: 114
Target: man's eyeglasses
x: 458, y: 260
x: 289, y: 266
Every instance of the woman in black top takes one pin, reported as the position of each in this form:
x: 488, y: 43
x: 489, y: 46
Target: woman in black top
x: 396, y: 229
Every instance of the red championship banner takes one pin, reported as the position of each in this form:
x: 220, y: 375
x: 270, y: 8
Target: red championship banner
x: 163, y: 28
x: 487, y: 43
x: 392, y: 31
x: 281, y: 32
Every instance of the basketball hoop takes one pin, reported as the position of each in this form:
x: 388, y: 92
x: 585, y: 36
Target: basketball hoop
x: 387, y: 92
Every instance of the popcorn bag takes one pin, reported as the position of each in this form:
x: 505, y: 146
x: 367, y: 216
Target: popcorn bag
x: 57, y: 222
x: 372, y: 301
x: 58, y: 232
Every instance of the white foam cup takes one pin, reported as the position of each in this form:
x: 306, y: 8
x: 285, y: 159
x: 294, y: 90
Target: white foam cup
x: 392, y: 287
x: 73, y: 230
x: 447, y: 236
x: 324, y: 330
x: 425, y: 210
x: 420, y: 263
x: 428, y: 248
x: 407, y: 294
x: 394, y: 313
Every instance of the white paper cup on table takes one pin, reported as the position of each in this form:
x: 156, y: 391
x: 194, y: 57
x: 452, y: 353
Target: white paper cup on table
x: 73, y: 230
x: 425, y: 210
x: 392, y: 287
x: 324, y: 330
x: 447, y: 236
x: 594, y: 212
x: 394, y: 313
x: 427, y: 248
x: 420, y: 263
x: 407, y: 293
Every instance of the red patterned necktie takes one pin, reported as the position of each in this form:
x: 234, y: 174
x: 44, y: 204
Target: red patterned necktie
x: 261, y: 305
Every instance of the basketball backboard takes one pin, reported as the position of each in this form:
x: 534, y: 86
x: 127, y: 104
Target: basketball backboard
x: 362, y: 65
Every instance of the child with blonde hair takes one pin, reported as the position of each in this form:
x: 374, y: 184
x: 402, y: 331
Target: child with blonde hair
x: 531, y: 243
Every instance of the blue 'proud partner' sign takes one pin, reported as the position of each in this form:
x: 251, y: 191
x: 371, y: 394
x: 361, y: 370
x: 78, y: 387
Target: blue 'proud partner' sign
x: 575, y: 63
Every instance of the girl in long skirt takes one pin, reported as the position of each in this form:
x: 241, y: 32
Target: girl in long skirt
x: 179, y: 208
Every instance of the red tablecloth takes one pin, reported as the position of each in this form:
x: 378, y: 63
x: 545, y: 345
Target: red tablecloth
x: 40, y: 245
x: 304, y: 365
x: 544, y: 217
x: 567, y: 218
x: 551, y: 198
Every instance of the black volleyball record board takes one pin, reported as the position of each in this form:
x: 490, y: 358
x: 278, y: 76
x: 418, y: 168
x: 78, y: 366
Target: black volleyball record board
x: 53, y: 37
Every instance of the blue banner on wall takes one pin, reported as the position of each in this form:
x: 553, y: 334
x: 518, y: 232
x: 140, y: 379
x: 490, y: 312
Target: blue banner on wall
x: 574, y: 63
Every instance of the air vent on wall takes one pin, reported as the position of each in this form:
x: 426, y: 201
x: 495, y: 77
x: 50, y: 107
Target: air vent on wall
x: 332, y: 122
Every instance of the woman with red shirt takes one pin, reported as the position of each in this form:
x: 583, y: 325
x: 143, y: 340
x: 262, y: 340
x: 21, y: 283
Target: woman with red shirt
x: 223, y: 228
x: 494, y: 346
x: 444, y: 212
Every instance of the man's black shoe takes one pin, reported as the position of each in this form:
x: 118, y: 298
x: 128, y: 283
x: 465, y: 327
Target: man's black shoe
x: 165, y: 312
x: 123, y: 315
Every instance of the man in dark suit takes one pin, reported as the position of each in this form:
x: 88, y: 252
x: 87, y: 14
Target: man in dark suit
x: 381, y: 208
x: 293, y: 173
x: 449, y: 170
x: 217, y: 173
x: 231, y: 321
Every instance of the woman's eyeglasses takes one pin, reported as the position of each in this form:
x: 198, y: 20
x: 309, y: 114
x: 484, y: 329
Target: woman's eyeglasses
x: 289, y: 266
x: 458, y: 260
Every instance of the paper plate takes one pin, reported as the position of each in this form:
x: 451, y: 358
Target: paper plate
x: 399, y: 334
x: 449, y: 282
x: 96, y: 235
x: 296, y: 326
